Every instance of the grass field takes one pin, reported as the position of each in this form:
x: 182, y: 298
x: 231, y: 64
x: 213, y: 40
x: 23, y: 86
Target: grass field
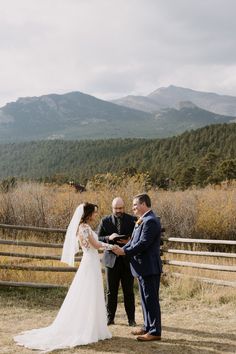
x: 196, y: 318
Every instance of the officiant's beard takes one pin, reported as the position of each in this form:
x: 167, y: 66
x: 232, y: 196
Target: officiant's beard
x: 118, y: 214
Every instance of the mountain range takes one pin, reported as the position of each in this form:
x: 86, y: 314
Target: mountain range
x: 173, y: 96
x: 75, y: 115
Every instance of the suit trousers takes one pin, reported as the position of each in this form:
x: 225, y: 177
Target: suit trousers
x: 120, y: 273
x: 149, y: 291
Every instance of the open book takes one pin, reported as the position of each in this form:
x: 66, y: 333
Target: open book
x: 121, y: 237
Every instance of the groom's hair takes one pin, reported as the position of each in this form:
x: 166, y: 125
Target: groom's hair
x: 144, y: 198
x: 89, y: 208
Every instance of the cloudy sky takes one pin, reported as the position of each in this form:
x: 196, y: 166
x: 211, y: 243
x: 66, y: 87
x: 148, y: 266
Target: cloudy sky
x: 112, y: 48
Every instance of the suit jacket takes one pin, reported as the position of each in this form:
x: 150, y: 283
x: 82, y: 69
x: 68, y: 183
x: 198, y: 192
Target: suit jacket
x: 144, y: 247
x: 107, y: 227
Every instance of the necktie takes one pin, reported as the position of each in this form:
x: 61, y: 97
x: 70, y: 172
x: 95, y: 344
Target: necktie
x: 118, y: 225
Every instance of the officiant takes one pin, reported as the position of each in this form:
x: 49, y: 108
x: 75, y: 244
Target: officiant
x: 117, y: 228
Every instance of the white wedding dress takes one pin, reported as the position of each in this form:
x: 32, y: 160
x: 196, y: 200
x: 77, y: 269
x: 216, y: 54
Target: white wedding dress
x: 82, y: 317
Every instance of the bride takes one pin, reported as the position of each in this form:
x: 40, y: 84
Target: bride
x: 82, y: 317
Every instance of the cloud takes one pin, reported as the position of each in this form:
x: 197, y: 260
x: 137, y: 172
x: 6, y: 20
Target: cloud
x: 111, y: 48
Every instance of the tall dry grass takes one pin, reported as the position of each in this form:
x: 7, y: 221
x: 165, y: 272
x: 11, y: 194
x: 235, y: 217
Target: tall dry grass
x: 182, y: 289
x: 203, y: 213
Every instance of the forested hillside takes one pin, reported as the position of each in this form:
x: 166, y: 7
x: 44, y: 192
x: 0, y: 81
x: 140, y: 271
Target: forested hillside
x: 196, y: 157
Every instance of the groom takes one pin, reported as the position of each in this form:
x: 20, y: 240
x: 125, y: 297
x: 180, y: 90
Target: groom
x: 144, y: 252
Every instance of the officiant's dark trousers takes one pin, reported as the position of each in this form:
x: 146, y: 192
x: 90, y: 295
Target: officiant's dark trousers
x: 149, y: 291
x: 120, y: 273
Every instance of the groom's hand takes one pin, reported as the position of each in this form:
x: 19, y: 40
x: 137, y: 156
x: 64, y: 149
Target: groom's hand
x: 118, y: 251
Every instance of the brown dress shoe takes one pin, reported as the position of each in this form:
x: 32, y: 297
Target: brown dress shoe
x: 148, y: 337
x: 138, y: 332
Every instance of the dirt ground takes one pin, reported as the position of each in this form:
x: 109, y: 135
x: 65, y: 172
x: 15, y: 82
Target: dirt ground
x: 189, y: 327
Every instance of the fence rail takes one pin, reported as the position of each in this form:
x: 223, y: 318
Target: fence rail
x: 207, y: 280
x: 31, y: 285
x: 32, y: 228
x: 201, y: 253
x: 201, y: 265
x: 35, y: 256
x: 196, y: 240
x: 38, y: 268
x: 32, y: 244
x: 168, y: 262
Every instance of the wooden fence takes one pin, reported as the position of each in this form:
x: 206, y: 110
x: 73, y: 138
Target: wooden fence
x: 165, y: 252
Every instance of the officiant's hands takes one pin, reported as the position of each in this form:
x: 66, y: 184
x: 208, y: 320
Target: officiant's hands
x: 118, y: 250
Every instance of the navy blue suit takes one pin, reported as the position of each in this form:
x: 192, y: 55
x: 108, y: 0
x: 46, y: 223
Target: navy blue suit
x: 144, y: 252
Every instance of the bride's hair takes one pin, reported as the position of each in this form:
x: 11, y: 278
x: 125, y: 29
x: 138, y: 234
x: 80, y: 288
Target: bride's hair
x: 89, y: 208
